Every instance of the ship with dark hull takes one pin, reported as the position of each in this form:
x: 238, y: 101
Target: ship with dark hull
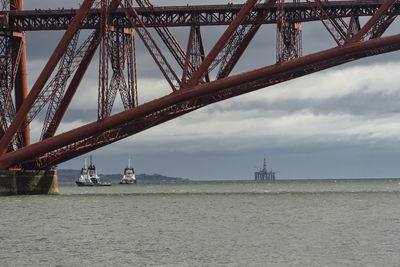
x: 89, y: 176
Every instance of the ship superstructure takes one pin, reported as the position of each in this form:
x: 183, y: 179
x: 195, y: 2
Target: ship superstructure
x: 84, y: 179
x: 129, y: 175
x: 89, y: 176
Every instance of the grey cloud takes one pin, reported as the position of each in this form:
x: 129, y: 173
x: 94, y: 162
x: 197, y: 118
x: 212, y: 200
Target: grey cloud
x: 356, y: 103
x: 234, y: 155
x: 46, y: 4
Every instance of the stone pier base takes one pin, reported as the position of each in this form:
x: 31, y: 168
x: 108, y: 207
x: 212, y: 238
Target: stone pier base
x: 28, y: 182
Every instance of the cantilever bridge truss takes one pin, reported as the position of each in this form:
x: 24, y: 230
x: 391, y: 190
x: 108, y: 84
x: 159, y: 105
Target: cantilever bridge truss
x: 195, y: 77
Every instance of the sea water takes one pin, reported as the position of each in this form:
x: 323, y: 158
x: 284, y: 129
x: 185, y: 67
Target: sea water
x: 242, y: 223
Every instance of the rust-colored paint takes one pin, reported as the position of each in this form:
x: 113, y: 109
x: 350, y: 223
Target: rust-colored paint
x: 44, y: 76
x: 193, y: 96
x: 380, y: 45
x: 21, y: 79
x: 222, y: 41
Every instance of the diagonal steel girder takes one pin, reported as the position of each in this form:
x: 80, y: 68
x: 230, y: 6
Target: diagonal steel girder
x: 240, y: 44
x: 13, y: 78
x: 195, y: 53
x: 119, y: 45
x: 220, y: 89
x: 151, y: 46
x: 168, y: 38
x: 244, y: 11
x: 58, y: 83
x: 44, y: 76
x: 337, y: 28
x: 86, y: 53
x: 72, y: 87
x: 373, y: 20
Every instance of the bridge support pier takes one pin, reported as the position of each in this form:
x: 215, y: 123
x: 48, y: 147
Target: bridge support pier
x: 28, y: 182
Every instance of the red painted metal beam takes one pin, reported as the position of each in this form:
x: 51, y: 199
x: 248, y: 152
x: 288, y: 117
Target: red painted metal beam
x: 187, y: 56
x: 371, y: 22
x: 226, y: 70
x: 167, y: 37
x: 202, y: 51
x: 174, y: 16
x: 44, y: 76
x: 21, y: 81
x: 242, y: 43
x: 244, y: 11
x: 151, y: 46
x: 72, y: 88
x: 332, y: 26
x: 75, y: 82
x: 242, y: 83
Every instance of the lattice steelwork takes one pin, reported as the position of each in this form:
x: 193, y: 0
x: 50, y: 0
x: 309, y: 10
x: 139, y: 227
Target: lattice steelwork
x: 197, y: 53
x: 104, y: 105
x: 115, y: 24
x: 57, y: 85
x: 288, y: 35
x: 152, y: 47
x: 10, y: 54
x: 6, y: 82
x: 118, y: 48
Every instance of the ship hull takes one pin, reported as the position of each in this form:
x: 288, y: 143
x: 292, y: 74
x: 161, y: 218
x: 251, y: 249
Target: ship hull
x: 103, y: 184
x: 84, y: 183
x: 126, y: 183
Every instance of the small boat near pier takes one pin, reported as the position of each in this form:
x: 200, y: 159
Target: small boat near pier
x: 89, y: 176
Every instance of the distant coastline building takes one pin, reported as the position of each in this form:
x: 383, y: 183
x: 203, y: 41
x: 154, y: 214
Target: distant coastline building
x: 263, y: 174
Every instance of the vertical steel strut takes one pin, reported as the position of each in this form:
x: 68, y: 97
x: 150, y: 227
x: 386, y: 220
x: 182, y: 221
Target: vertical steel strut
x: 223, y: 40
x: 43, y: 77
x: 238, y: 45
x: 116, y: 47
x: 21, y: 83
x: 100, y: 132
x: 117, y: 59
x: 288, y: 36
x: 13, y: 70
x: 337, y: 28
x: 169, y: 40
x: 103, y: 90
x: 84, y: 56
x: 195, y: 53
x: 373, y: 20
x: 151, y: 46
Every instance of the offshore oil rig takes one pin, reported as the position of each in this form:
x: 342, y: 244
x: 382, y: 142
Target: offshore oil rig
x: 263, y: 174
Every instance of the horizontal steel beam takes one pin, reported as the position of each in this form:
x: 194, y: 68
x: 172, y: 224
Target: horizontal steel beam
x: 205, y: 15
x: 213, y: 92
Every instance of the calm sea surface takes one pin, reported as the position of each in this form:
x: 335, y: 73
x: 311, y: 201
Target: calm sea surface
x: 285, y: 223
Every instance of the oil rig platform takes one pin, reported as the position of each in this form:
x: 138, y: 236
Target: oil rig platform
x: 263, y: 174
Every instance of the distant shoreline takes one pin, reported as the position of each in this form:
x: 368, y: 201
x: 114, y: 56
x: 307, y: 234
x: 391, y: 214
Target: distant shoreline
x: 70, y: 176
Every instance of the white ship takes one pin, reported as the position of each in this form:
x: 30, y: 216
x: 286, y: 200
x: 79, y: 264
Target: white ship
x: 89, y: 176
x: 84, y: 179
x: 129, y: 175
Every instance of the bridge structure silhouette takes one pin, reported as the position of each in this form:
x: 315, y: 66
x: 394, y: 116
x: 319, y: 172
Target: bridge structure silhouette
x: 195, y: 77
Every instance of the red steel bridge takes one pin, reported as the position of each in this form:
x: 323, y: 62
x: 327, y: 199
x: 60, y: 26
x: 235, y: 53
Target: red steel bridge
x: 196, y: 77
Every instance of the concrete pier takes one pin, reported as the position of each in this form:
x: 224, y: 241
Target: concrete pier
x: 28, y: 182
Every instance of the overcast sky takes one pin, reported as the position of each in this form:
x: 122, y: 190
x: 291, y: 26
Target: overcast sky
x: 339, y: 123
